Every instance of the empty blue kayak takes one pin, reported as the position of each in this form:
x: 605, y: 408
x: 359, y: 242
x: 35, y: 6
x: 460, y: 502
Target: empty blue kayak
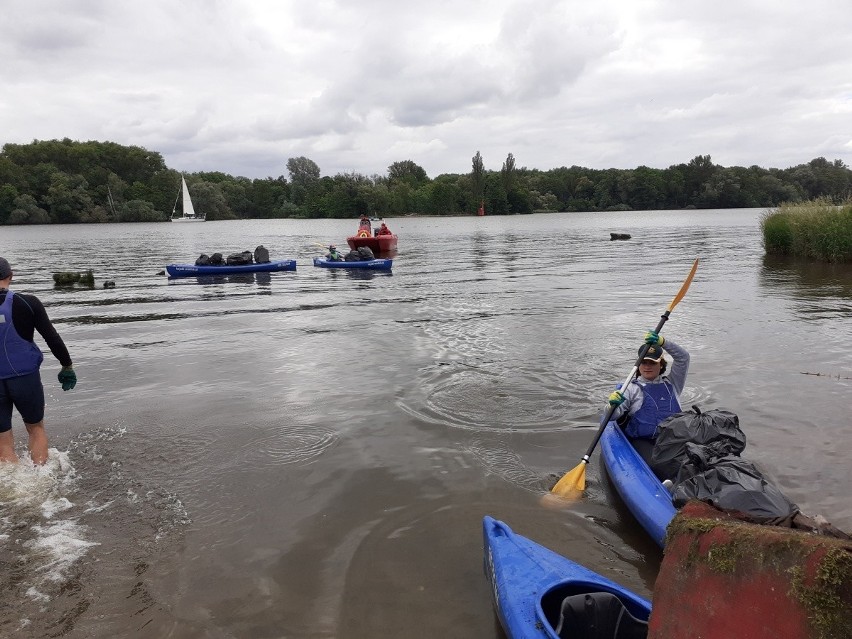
x: 376, y: 265
x: 636, y: 483
x: 191, y: 270
x: 534, y: 590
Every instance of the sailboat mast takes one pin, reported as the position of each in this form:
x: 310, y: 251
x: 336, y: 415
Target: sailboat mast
x: 111, y: 201
x: 177, y: 197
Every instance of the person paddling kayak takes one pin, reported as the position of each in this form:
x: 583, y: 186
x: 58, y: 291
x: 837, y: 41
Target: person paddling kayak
x: 652, y: 396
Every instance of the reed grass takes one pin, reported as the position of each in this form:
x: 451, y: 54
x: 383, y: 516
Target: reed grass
x: 817, y: 229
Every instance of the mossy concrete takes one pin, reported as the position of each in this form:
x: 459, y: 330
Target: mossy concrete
x: 722, y: 577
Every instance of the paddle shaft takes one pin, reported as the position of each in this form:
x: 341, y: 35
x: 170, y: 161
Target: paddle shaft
x: 642, y: 352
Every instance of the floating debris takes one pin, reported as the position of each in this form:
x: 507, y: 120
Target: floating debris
x: 831, y: 375
x: 69, y: 278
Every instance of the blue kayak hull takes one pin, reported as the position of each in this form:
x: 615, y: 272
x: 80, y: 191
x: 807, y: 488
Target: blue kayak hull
x: 638, y: 486
x: 190, y: 270
x: 529, y: 582
x: 375, y: 265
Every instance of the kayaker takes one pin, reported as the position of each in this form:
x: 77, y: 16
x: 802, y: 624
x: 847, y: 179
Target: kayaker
x: 20, y: 359
x: 333, y: 254
x: 652, y: 396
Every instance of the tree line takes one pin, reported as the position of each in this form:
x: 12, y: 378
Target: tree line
x: 65, y: 181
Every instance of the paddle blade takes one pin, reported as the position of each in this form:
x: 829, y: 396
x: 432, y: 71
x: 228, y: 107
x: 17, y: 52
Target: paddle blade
x: 573, y: 483
x: 685, y: 287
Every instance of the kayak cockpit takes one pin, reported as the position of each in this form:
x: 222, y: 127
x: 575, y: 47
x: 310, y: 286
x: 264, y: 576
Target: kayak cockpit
x: 584, y: 610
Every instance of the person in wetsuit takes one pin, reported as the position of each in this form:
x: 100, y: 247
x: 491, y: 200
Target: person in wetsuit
x: 652, y: 396
x: 20, y: 359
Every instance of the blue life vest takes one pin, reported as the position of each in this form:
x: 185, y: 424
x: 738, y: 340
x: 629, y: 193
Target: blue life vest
x: 658, y: 402
x: 17, y: 355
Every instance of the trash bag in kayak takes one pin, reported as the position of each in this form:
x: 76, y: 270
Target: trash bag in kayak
x: 733, y: 484
x: 718, y: 430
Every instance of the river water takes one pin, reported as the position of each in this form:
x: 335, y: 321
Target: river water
x: 310, y: 454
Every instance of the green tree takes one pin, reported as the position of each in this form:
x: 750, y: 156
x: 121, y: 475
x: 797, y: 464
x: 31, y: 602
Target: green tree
x: 208, y: 198
x: 508, y: 173
x: 139, y: 211
x: 8, y: 195
x: 477, y: 177
x: 408, y: 172
x: 67, y: 198
x: 27, y: 211
x: 303, y: 170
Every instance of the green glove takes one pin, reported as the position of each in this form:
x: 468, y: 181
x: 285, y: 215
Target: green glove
x: 616, y: 399
x: 653, y: 339
x: 67, y: 377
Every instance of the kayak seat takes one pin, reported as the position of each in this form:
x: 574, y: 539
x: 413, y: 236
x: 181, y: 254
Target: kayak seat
x: 598, y: 615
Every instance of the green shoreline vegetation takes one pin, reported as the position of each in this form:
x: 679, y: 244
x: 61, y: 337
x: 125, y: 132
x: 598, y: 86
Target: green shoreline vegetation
x: 817, y: 229
x: 69, y: 182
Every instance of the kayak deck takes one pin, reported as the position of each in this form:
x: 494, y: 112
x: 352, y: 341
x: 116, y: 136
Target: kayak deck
x: 639, y: 488
x: 376, y: 265
x: 529, y: 583
x: 191, y: 270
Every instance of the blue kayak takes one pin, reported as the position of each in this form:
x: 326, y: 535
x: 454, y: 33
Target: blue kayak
x: 536, y: 592
x: 376, y: 265
x: 641, y: 491
x: 191, y: 270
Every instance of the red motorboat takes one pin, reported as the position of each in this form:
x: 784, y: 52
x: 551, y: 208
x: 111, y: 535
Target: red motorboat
x: 382, y: 240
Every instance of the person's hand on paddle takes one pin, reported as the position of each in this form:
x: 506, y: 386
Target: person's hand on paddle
x: 653, y: 339
x: 616, y: 398
x: 67, y: 377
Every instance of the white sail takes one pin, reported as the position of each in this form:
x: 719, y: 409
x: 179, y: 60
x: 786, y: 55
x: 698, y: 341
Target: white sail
x: 189, y: 214
x: 188, y: 210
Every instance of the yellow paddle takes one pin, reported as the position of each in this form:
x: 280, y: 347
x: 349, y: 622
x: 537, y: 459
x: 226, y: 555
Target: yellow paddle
x: 573, y: 482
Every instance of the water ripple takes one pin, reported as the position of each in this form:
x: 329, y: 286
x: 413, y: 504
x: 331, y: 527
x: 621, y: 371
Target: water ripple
x: 292, y: 444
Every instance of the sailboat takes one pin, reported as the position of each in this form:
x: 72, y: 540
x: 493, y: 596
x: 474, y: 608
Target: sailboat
x: 189, y: 214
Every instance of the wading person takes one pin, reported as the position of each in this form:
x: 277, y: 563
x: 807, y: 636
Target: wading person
x: 20, y: 359
x: 652, y: 396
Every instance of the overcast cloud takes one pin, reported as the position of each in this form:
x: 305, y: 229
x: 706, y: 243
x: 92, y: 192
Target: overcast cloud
x: 240, y: 86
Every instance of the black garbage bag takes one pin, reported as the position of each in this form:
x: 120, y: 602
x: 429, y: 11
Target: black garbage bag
x: 352, y: 256
x: 261, y: 255
x: 366, y: 253
x: 216, y: 259
x: 203, y: 260
x: 239, y: 259
x: 733, y: 484
x: 718, y: 430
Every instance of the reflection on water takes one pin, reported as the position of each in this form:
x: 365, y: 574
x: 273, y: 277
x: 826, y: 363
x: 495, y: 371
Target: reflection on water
x: 807, y: 278
x: 270, y: 454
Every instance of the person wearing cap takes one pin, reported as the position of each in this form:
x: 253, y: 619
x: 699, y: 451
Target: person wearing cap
x: 652, y: 396
x: 20, y: 359
x: 333, y: 254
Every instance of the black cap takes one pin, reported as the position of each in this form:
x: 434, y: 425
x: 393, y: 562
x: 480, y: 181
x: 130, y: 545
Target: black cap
x: 655, y: 353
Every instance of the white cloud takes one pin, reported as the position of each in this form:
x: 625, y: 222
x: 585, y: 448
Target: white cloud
x: 240, y: 86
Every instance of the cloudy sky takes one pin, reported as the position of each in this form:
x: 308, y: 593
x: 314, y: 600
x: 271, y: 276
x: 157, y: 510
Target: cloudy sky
x: 240, y: 86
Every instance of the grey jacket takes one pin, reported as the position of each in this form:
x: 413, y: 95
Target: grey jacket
x: 676, y: 375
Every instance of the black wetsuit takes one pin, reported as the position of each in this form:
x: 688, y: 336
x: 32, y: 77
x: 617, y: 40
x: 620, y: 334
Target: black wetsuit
x: 28, y: 316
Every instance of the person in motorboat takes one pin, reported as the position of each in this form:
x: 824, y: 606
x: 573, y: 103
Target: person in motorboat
x: 652, y: 396
x: 21, y: 315
x: 384, y: 230
x: 365, y: 227
x: 333, y: 254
